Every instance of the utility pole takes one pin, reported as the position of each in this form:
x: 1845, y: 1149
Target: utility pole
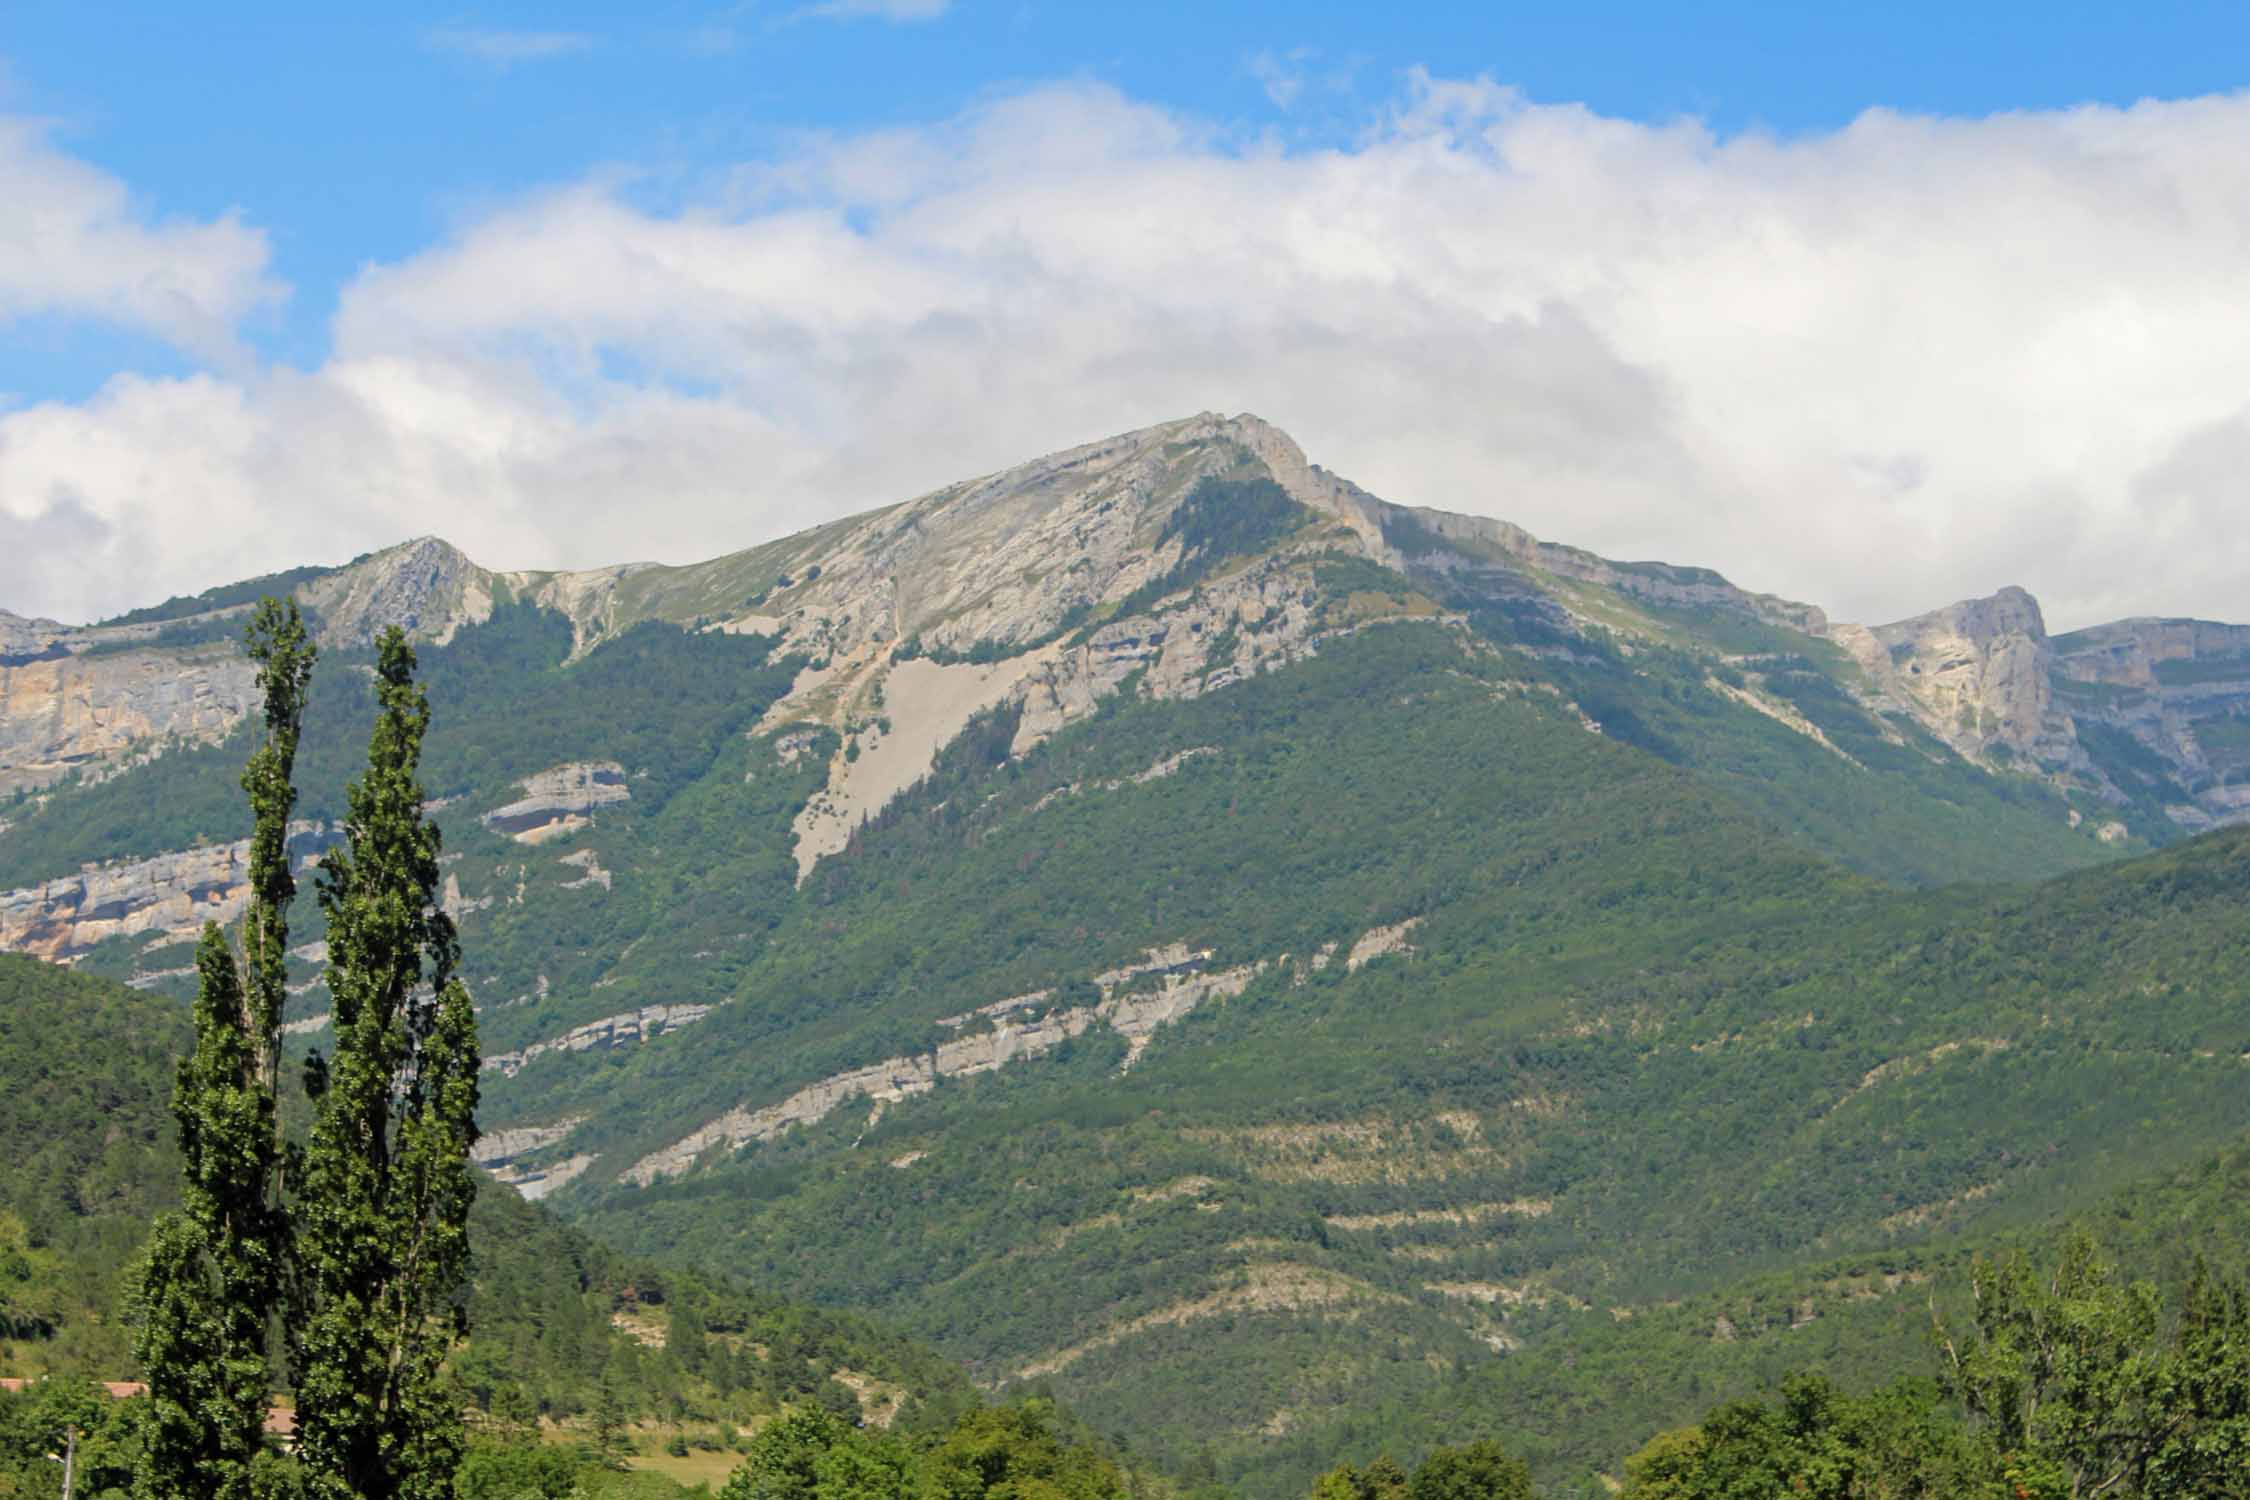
x: 69, y: 1460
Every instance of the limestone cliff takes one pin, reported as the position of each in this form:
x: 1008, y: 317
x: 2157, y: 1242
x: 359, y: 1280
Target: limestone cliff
x: 642, y: 1025
x: 1135, y: 1014
x: 167, y: 897
x: 1978, y: 674
x: 87, y: 699
x: 2181, y: 690
x: 62, y: 712
x: 1984, y: 677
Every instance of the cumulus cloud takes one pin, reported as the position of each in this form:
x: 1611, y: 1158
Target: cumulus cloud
x: 503, y: 48
x: 1879, y: 368
x: 74, y: 244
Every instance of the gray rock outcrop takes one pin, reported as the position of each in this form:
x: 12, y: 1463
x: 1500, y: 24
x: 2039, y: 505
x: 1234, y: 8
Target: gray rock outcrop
x: 1133, y: 1014
x: 632, y: 1026
x: 559, y: 800
x: 62, y: 712
x: 166, y: 897
x: 1978, y: 674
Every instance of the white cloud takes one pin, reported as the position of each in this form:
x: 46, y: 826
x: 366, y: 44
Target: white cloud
x: 505, y: 48
x: 879, y: 10
x: 74, y: 244
x: 1880, y: 368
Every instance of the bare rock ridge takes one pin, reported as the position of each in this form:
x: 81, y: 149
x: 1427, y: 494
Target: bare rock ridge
x: 1026, y: 569
x: 1471, y: 539
x: 426, y: 587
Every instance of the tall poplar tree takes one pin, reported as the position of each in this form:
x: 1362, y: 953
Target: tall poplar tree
x: 214, y: 1273
x: 381, y: 1197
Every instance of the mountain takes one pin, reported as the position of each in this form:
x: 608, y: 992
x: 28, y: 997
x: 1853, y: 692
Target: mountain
x: 1163, y: 923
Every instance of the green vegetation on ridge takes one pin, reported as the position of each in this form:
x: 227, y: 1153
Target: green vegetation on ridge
x: 1682, y: 1047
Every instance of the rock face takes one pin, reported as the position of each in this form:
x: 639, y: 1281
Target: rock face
x: 167, y: 897
x: 426, y: 587
x: 1978, y: 674
x: 2196, y: 661
x: 642, y: 1025
x: 2181, y: 690
x: 61, y: 712
x: 520, y: 1157
x: 1133, y: 1014
x: 1984, y: 677
x: 559, y: 800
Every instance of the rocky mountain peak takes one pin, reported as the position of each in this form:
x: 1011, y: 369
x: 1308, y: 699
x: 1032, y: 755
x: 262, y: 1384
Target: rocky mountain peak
x: 428, y: 587
x: 1003, y: 560
x: 2010, y: 612
x: 1978, y: 674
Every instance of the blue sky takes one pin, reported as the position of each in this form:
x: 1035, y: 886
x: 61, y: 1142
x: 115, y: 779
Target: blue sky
x: 358, y: 139
x: 1736, y: 284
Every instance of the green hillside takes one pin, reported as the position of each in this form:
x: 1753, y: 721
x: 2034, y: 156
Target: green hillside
x: 560, y: 1323
x: 1642, y: 1046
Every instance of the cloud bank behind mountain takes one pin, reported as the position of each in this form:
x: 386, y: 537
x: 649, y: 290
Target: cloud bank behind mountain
x: 1880, y: 368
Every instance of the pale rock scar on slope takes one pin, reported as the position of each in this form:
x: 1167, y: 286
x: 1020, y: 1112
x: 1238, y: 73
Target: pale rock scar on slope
x: 1465, y: 1213
x: 1781, y: 713
x: 559, y: 800
x: 1270, y: 1286
x: 649, y: 1022
x: 1380, y: 942
x: 504, y: 1154
x: 1132, y: 1014
x: 926, y: 705
x: 1901, y: 1067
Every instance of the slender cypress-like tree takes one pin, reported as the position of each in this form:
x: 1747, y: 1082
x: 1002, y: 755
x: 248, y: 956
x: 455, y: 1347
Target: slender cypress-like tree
x: 381, y: 1198
x: 214, y: 1272
x: 284, y: 653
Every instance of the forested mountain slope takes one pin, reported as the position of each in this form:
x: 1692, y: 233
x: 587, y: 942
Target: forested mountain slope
x: 1167, y: 923
x: 1631, y: 1046
x: 558, y: 1319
